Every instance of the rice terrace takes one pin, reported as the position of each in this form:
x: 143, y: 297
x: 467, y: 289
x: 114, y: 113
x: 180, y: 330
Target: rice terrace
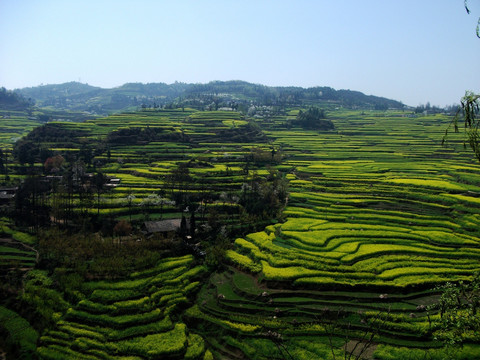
x: 235, y: 221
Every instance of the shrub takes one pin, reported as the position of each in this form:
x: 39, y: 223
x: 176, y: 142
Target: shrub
x: 122, y: 228
x: 243, y: 261
x: 208, y: 355
x: 287, y: 273
x: 196, y: 347
x: 156, y: 345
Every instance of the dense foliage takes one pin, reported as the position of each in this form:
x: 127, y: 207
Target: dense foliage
x: 10, y: 100
x: 314, y: 119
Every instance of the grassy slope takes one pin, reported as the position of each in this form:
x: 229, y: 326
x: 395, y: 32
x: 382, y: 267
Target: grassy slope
x: 376, y: 207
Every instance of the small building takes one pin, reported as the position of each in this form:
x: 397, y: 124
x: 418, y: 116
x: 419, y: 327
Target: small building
x: 112, y: 182
x: 7, y: 198
x: 7, y: 194
x: 165, y: 227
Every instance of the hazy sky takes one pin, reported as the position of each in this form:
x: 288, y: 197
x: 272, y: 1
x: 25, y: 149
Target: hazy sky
x: 408, y: 50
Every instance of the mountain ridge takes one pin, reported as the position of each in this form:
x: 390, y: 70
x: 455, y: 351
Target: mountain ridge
x: 83, y: 97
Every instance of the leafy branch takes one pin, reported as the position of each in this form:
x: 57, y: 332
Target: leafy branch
x: 468, y: 112
x: 459, y: 306
x: 478, y: 22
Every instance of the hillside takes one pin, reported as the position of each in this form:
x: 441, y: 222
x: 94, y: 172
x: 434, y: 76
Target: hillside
x: 291, y: 237
x: 214, y: 95
x: 10, y: 100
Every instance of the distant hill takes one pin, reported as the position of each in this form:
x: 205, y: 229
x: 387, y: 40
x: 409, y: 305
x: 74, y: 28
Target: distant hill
x: 82, y: 97
x: 290, y: 95
x: 10, y: 100
x: 43, y: 93
x: 216, y: 94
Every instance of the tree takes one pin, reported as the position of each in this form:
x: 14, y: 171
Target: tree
x: 86, y: 154
x: 192, y: 223
x: 459, y: 304
x: 14, y: 101
x: 469, y: 111
x: 53, y: 164
x: 314, y: 119
x: 183, y: 227
x: 4, y: 164
x: 130, y: 198
x: 122, y: 228
x: 99, y: 184
x: 357, y: 343
x: 26, y: 152
x: 179, y: 179
x: 478, y: 22
x: 459, y: 307
x: 31, y: 205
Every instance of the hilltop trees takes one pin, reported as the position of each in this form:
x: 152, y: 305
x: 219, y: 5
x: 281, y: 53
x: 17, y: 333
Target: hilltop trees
x: 314, y: 119
x: 12, y: 101
x: 237, y: 95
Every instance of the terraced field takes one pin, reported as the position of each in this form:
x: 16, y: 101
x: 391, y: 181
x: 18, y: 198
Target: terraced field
x: 17, y: 334
x: 16, y: 252
x: 13, y: 254
x: 378, y: 214
x: 14, y: 125
x: 136, y: 318
x: 142, y: 162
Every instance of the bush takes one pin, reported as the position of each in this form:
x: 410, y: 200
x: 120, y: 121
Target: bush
x: 196, y: 347
x: 156, y: 345
x: 243, y: 261
x: 122, y: 228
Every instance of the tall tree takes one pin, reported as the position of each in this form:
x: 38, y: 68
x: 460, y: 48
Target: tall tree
x: 99, y: 184
x: 469, y: 112
x: 2, y: 165
x: 470, y: 109
x: 459, y: 307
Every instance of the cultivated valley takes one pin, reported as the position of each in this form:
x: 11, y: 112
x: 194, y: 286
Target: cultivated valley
x: 235, y: 221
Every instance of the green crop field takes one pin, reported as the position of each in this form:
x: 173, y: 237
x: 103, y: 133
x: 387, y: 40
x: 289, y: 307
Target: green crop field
x: 131, y: 318
x: 18, y: 333
x: 377, y: 215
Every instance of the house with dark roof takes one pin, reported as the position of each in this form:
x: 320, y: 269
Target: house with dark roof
x: 166, y: 227
x: 7, y: 194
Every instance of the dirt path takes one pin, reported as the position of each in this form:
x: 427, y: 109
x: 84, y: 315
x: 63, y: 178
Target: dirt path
x: 360, y: 349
